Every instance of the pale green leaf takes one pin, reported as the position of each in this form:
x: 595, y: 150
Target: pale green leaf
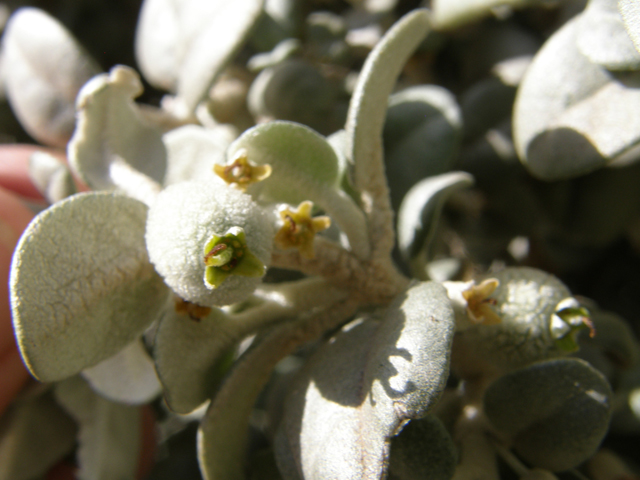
x: 304, y: 167
x: 420, y: 210
x: 423, y: 449
x: 109, y: 433
x: 222, y: 437
x: 358, y: 390
x: 182, y: 46
x: 422, y: 133
x: 603, y: 39
x: 113, y: 145
x: 448, y: 14
x: 44, y: 68
x: 183, y: 220
x: 573, y: 116
x: 368, y: 105
x: 127, y: 377
x: 295, y: 90
x: 35, y: 433
x: 82, y: 286
x: 526, y: 301
x: 556, y: 412
x: 51, y: 176
x: 204, y: 347
x: 630, y: 11
x: 192, y: 151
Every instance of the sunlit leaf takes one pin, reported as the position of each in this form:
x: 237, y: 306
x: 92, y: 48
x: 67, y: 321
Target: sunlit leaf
x: 361, y: 387
x: 44, y: 68
x: 182, y: 46
x: 128, y: 377
x: 82, y: 286
x: 573, y: 116
x: 602, y: 37
x: 113, y: 145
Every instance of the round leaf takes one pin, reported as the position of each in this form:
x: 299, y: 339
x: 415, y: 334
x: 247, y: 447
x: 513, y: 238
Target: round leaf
x: 127, y: 377
x: 602, y: 37
x: 183, y: 45
x: 557, y: 412
x: 572, y: 116
x: 359, y: 389
x: 82, y: 286
x: 44, y: 68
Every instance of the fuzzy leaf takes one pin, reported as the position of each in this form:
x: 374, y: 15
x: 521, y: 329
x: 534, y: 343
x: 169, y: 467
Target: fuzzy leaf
x: 81, y: 283
x: 51, y: 177
x: 203, y: 346
x: 127, y: 377
x: 368, y: 105
x: 422, y: 133
x: 423, y: 449
x: 557, y: 412
x: 449, y: 15
x: 182, y: 46
x: 359, y: 389
x: 603, y: 39
x: 304, y: 167
x: 44, y: 68
x: 34, y: 434
x: 113, y: 145
x: 630, y: 11
x: 572, y: 116
x: 109, y: 435
x: 421, y: 207
x: 192, y: 151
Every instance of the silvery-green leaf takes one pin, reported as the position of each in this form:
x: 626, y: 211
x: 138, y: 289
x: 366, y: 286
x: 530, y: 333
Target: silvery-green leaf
x: 193, y: 150
x: 421, y: 207
x: 423, y: 449
x: 182, y: 46
x: 603, y: 39
x: 422, y: 133
x: 82, y: 286
x: 51, y: 177
x: 295, y: 90
x: 281, y: 52
x: 109, y: 434
x: 304, y: 167
x: 358, y: 390
x: 127, y: 377
x: 449, y: 14
x: 365, y: 120
x: 202, y: 347
x: 572, y: 116
x: 44, y: 68
x: 630, y: 11
x: 35, y: 433
x: 113, y: 145
x: 526, y: 301
x: 183, y: 220
x: 557, y: 412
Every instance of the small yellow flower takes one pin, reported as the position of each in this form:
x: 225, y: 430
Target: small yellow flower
x: 299, y: 229
x: 479, y: 305
x: 241, y: 172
